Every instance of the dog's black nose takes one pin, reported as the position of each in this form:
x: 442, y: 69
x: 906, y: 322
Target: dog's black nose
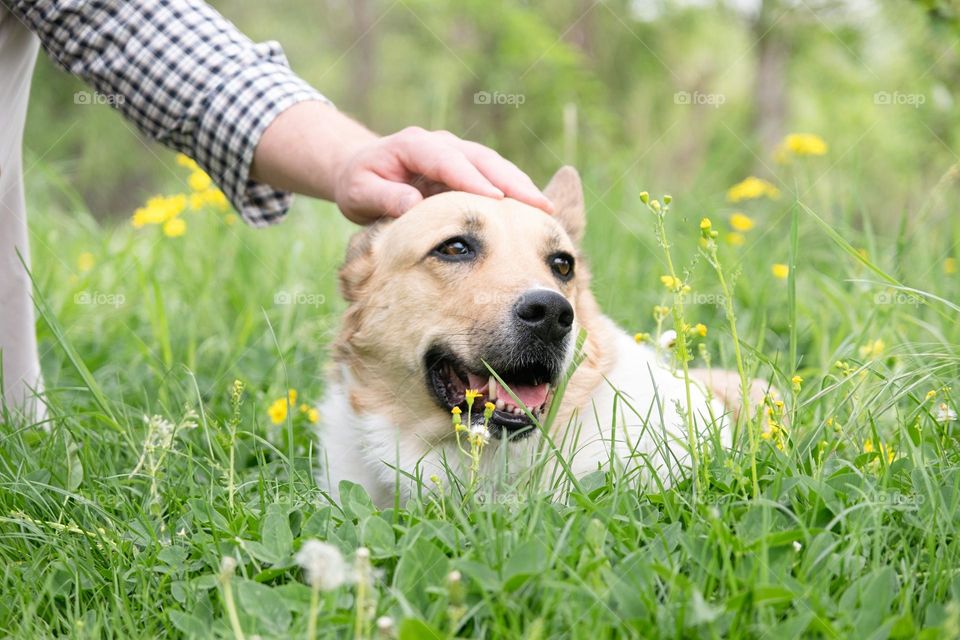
x: 546, y: 313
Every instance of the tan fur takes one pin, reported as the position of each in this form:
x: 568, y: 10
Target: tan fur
x: 402, y: 300
x: 399, y: 297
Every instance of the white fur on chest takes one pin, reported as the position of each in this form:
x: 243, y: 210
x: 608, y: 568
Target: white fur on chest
x: 637, y: 415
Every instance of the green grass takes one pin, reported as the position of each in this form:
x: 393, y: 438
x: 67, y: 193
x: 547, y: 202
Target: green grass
x: 839, y: 543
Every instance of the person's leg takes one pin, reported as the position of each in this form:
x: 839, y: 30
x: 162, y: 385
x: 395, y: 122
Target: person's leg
x: 18, y: 341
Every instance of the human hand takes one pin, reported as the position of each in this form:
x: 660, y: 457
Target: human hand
x: 314, y: 149
x: 392, y: 174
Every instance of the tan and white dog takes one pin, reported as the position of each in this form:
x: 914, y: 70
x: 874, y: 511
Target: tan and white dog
x: 461, y: 282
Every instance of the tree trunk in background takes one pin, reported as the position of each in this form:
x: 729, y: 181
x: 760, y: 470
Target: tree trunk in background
x: 770, y: 81
x: 581, y: 33
x: 362, y: 58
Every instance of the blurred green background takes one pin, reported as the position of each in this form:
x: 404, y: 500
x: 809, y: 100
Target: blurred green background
x: 687, y: 96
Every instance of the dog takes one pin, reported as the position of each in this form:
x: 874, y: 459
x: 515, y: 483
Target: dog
x: 461, y: 286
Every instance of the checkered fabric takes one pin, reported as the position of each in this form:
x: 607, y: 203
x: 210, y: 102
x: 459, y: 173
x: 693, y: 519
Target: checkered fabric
x: 184, y: 75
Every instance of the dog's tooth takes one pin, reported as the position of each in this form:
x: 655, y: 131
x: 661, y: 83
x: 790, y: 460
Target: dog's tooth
x: 501, y: 404
x: 492, y: 389
x: 517, y: 411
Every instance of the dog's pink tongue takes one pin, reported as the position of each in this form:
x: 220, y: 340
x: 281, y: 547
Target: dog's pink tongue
x: 530, y: 395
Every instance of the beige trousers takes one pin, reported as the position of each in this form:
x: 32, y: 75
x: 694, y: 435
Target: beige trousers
x: 18, y: 342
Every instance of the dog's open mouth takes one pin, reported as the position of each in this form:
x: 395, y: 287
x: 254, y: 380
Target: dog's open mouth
x: 532, y: 384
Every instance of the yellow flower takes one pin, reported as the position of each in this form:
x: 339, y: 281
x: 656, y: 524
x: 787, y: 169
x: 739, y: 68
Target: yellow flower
x: 313, y: 415
x: 796, y: 381
x: 471, y: 395
x: 175, y: 227
x: 780, y: 271
x: 931, y: 394
x: 873, y: 349
x: 185, y: 161
x: 640, y: 338
x: 199, y: 181
x: 700, y: 329
x: 278, y: 411
x: 950, y: 266
x: 751, y: 188
x: 741, y: 222
x: 801, y: 144
x: 86, y: 261
x: 158, y: 210
x: 884, y: 450
x: 735, y: 239
x: 292, y: 396
x: 674, y: 284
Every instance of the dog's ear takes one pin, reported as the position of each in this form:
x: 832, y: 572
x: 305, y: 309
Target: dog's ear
x: 566, y: 193
x: 358, y: 264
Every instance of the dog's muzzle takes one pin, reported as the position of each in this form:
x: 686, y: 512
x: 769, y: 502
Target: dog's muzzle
x: 527, y: 353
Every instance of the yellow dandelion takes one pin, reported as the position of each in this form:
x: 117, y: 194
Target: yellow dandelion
x: 741, y: 222
x: 950, y: 266
x: 278, y: 411
x: 185, y: 161
x: 159, y: 209
x: 801, y: 144
x: 796, y: 382
x: 700, y: 329
x: 292, y: 396
x: 780, y: 271
x: 313, y: 415
x: 175, y: 227
x: 86, y: 261
x: 673, y: 283
x: 931, y: 394
x: 735, y: 239
x: 873, y: 349
x: 199, y: 181
x: 752, y: 188
x: 456, y: 411
x: 884, y: 450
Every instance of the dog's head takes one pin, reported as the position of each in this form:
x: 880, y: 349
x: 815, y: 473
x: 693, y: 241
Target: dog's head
x: 457, y: 284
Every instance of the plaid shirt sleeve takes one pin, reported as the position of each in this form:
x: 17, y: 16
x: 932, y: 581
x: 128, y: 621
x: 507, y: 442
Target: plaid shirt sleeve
x: 184, y: 75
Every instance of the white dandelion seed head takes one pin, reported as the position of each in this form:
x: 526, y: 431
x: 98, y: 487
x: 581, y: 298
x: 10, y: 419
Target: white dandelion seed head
x: 480, y: 432
x: 228, y: 564
x: 385, y: 625
x: 668, y: 339
x: 945, y: 414
x: 322, y: 564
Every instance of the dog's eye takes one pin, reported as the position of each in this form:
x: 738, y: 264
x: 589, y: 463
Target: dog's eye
x: 454, y: 250
x: 562, y: 265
